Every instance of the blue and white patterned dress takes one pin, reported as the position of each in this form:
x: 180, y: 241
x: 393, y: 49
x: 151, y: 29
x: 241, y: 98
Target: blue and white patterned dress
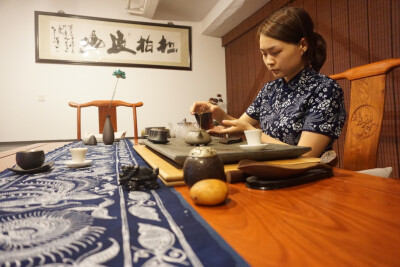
x: 309, y: 102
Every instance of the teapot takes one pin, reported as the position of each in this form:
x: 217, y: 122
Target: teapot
x: 198, y: 137
x: 181, y: 129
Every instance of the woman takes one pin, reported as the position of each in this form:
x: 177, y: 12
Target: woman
x: 301, y: 107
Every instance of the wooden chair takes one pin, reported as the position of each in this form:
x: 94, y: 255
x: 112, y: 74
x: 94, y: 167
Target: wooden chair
x: 103, y: 106
x: 367, y: 100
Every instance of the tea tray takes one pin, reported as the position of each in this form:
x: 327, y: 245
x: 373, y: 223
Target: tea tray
x: 177, y: 150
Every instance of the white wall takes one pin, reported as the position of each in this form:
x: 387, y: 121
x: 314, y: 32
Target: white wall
x: 166, y: 94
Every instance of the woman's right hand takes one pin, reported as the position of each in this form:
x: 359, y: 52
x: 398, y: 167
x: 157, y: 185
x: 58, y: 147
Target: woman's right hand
x: 218, y: 113
x: 201, y: 107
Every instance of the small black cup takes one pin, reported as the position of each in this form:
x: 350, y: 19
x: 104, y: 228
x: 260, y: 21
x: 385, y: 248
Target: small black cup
x: 204, y: 120
x: 30, y: 159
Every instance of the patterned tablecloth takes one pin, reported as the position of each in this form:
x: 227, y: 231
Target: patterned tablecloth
x: 82, y: 217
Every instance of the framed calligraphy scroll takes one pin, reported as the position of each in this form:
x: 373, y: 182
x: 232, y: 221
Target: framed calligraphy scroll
x: 71, y: 39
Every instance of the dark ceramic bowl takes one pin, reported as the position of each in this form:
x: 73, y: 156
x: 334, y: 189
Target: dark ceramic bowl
x: 147, y: 129
x: 30, y: 159
x: 158, y: 136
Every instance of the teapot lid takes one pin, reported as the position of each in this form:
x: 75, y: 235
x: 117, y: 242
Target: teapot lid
x: 202, y: 152
x: 184, y: 122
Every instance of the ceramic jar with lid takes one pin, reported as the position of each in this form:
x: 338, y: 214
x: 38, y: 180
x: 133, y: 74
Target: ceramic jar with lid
x: 202, y: 163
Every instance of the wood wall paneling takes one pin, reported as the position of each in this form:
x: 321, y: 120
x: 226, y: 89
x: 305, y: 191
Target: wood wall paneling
x: 242, y: 75
x: 311, y: 7
x: 299, y: 3
x: 251, y: 59
x: 395, y: 9
x: 234, y: 78
x: 359, y: 44
x: 323, y: 24
x: 357, y: 32
x: 281, y: 3
x: 229, y: 82
x: 340, y: 54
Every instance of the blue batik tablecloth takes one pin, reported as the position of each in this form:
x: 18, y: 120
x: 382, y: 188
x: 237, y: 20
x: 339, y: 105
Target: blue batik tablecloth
x: 82, y: 217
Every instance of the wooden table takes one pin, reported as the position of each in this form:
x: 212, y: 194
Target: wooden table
x: 350, y: 219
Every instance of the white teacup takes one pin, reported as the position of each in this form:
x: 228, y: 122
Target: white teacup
x: 78, y: 154
x: 253, y: 136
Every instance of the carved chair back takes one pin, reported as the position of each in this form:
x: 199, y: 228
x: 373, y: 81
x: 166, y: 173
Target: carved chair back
x: 106, y: 109
x: 364, y: 121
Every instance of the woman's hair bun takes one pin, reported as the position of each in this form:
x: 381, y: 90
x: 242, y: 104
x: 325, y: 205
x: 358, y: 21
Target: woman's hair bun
x: 318, y: 60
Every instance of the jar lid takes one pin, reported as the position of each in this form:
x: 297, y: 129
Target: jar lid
x: 202, y: 152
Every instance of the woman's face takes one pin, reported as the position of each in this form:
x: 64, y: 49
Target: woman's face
x: 282, y: 59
